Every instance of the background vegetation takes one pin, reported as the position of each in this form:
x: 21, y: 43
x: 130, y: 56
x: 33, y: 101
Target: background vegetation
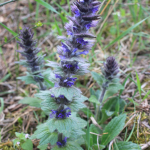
x: 124, y: 32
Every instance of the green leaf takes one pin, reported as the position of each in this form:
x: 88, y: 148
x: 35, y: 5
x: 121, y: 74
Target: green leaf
x: 76, y: 133
x: 32, y: 101
x: 125, y: 32
x: 80, y: 122
x: 80, y: 140
x: 48, y: 6
x: 113, y: 129
x: 15, y: 141
x: 49, y: 103
x: 11, y: 31
x: 126, y: 146
x: 64, y: 126
x: 43, y: 133
x: 43, y: 147
x: 86, y: 111
x: 93, y: 99
x: 98, y: 78
x: 20, y: 136
x: 68, y: 92
x: 77, y: 103
x: 113, y: 106
x: 70, y: 146
x: 147, y: 94
x: 28, y: 79
x: 28, y: 145
x: 95, y: 147
x: 49, y: 138
x: 47, y: 78
x: 43, y: 95
x: 132, y: 101
x: 113, y: 89
x: 2, y: 105
x: 138, y: 84
x: 96, y: 130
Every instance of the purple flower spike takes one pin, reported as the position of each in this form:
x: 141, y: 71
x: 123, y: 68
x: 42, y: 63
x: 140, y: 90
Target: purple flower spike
x: 52, y: 96
x: 62, y: 143
x: 95, y: 9
x: 58, y: 76
x: 78, y: 27
x: 52, y: 115
x: 65, y: 81
x: 30, y: 51
x: 70, y: 67
x: 61, y: 96
x: 81, y: 41
x: 111, y: 68
x: 61, y: 114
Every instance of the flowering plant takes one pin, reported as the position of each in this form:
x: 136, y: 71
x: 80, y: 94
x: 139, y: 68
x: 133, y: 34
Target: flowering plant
x: 63, y: 128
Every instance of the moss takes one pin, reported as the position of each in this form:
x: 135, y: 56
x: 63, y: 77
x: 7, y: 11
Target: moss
x: 144, y: 135
x: 8, y: 148
x: 12, y: 132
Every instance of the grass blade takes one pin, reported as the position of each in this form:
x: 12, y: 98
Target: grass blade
x: 147, y: 94
x: 125, y: 32
x: 48, y: 6
x: 2, y: 105
x: 138, y: 84
x: 12, y: 32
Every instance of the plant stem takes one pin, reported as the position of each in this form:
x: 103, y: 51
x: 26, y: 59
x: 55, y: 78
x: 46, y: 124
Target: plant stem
x: 42, y: 87
x: 104, y: 88
x: 60, y: 137
x: 2, y: 4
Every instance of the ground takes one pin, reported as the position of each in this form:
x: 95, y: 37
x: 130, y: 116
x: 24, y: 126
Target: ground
x: 114, y: 37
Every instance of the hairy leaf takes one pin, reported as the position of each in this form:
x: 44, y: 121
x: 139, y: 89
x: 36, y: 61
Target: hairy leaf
x: 43, y: 133
x: 28, y: 79
x: 70, y: 146
x: 113, y: 129
x: 32, y: 101
x: 98, y: 78
x: 113, y: 89
x: 27, y: 145
x: 126, y: 146
x: 68, y: 92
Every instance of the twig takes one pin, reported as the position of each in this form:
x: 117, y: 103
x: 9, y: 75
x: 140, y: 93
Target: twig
x: 145, y: 145
x: 105, y: 7
x: 111, y: 143
x: 138, y: 125
x: 129, y: 121
x: 101, y: 5
x: 2, y: 4
x: 110, y: 11
x: 95, y: 123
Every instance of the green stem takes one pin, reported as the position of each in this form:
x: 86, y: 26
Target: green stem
x: 60, y: 137
x: 42, y: 87
x: 2, y: 4
x: 104, y: 89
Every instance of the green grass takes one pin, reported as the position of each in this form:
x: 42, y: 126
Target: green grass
x: 125, y: 21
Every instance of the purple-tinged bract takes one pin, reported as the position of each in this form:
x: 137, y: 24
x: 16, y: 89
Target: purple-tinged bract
x: 60, y: 113
x: 111, y: 68
x: 30, y: 51
x: 62, y: 143
x: 70, y: 67
x: 78, y: 27
x: 65, y: 81
x: 61, y: 99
